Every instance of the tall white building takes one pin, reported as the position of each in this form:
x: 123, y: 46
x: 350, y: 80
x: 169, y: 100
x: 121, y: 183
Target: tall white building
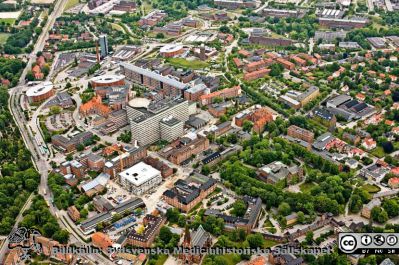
x: 160, y: 120
x: 140, y: 178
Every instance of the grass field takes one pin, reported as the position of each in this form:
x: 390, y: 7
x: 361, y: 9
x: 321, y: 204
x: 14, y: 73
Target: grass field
x: 161, y: 259
x: 306, y: 187
x: 378, y: 152
x: 10, y: 21
x: 229, y: 259
x: 180, y: 62
x: 3, y: 37
x: 371, y: 188
x: 117, y: 27
x: 269, y: 243
x: 70, y: 4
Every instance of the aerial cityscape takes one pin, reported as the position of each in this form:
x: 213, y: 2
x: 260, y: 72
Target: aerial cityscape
x: 152, y: 132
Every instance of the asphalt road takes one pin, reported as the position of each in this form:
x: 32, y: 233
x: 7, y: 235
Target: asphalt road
x: 39, y: 160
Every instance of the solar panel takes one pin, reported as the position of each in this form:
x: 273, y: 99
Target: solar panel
x: 360, y: 107
x: 351, y: 103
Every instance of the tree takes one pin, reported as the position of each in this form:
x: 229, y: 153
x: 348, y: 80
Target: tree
x: 165, y: 234
x: 61, y: 236
x: 379, y: 215
x: 160, y: 36
x: 391, y: 207
x: 395, y: 96
x: 172, y: 214
x: 388, y: 147
x: 80, y: 147
x: 205, y: 170
x: 69, y: 157
x: 247, y: 126
x: 125, y: 137
x: 239, y: 208
x: 355, y: 204
x: 284, y: 209
x: 55, y: 110
x: 224, y: 29
x: 29, y: 76
x: 276, y: 69
x: 301, y: 217
x: 309, y: 237
x: 255, y: 240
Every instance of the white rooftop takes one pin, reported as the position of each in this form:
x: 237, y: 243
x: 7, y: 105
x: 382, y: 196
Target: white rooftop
x: 139, y: 173
x: 104, y: 79
x: 39, y: 89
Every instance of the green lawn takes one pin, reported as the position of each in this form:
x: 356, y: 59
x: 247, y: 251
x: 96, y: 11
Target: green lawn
x: 371, y: 188
x: 70, y: 4
x: 306, y: 187
x: 3, y: 37
x: 161, y: 259
x: 378, y: 152
x: 180, y: 62
x: 228, y: 259
x: 269, y: 243
x: 117, y: 27
x: 10, y: 21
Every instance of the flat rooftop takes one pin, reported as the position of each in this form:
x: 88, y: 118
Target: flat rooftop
x: 139, y: 173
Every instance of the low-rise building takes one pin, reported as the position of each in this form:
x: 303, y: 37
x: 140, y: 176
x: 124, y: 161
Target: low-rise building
x: 185, y: 148
x: 140, y: 178
x: 278, y: 171
x: 247, y: 222
x: 73, y: 213
x: 366, y: 211
x: 69, y: 144
x: 300, y: 133
x: 186, y: 194
x: 152, y: 225
x: 102, y: 241
x: 222, y: 94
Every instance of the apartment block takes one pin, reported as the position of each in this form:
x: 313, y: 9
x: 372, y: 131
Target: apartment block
x: 69, y: 144
x: 223, y: 94
x: 300, y: 133
x: 183, y: 149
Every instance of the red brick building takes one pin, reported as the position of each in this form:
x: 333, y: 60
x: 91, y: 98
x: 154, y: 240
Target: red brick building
x: 256, y: 75
x: 223, y: 94
x: 300, y: 133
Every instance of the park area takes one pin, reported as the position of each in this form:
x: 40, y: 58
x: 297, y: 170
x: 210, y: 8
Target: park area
x: 9, y: 17
x: 183, y: 63
x: 3, y: 37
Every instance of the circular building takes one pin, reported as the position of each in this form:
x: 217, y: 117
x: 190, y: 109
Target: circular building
x: 171, y: 50
x: 40, y: 92
x: 139, y: 102
x: 107, y: 81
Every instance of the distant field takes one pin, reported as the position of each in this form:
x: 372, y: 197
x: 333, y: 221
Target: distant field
x: 3, y: 37
x: 70, y: 4
x: 180, y: 62
x: 42, y: 2
x: 10, y: 21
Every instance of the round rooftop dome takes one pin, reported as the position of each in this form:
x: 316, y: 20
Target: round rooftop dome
x: 105, y: 79
x: 139, y: 102
x: 39, y: 89
x: 170, y: 48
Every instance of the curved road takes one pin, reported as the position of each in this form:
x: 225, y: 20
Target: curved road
x: 40, y: 161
